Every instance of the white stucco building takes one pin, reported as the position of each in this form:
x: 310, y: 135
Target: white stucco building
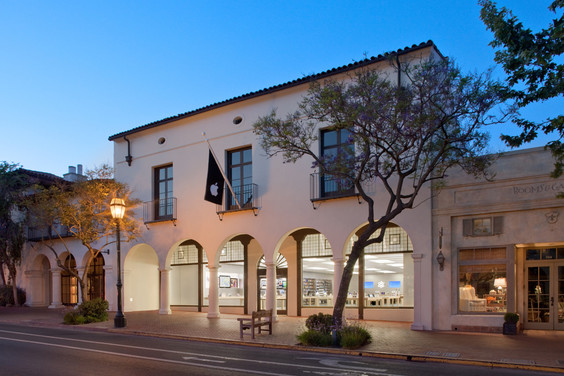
x: 287, y: 245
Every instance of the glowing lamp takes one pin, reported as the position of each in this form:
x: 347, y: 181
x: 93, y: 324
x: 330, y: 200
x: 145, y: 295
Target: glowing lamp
x: 117, y: 207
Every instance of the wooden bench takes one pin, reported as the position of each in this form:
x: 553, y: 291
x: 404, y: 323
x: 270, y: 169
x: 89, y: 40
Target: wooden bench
x: 259, y: 319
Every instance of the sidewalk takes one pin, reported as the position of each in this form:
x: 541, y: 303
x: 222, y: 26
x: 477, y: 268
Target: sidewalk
x: 538, y: 350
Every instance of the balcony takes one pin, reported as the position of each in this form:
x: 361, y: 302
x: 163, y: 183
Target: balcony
x: 248, y: 197
x: 37, y: 234
x: 327, y: 187
x: 160, y: 211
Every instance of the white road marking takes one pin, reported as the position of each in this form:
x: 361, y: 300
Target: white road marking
x: 202, y: 359
x: 329, y: 362
x: 148, y: 358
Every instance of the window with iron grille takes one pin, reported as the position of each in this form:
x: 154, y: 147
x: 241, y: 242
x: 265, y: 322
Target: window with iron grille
x: 240, y: 170
x: 336, y: 147
x: 164, y: 207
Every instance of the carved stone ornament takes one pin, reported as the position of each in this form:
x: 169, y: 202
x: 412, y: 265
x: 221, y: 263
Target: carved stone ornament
x: 552, y: 217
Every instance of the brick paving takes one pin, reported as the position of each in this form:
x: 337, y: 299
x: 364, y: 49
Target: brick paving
x: 541, y: 350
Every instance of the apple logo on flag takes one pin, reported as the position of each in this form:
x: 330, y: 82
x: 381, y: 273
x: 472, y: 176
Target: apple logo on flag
x: 213, y: 189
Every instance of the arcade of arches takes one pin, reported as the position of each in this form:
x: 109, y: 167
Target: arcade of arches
x: 305, y: 272
x: 301, y: 280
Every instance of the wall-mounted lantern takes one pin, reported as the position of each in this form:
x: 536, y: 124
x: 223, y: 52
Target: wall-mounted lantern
x: 441, y: 260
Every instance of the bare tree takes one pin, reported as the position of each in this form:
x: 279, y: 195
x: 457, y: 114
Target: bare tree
x: 402, y: 136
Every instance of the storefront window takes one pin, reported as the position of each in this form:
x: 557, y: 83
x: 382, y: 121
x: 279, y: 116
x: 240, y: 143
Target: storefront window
x: 232, y: 274
x: 482, y: 280
x: 387, y: 278
x: 184, y: 275
x: 317, y: 272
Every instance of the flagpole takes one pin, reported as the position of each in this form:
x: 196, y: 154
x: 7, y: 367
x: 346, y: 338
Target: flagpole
x: 221, y: 170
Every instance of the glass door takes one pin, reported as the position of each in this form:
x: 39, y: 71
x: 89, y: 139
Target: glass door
x: 560, y: 298
x: 281, y: 293
x: 545, y: 296
x: 281, y: 284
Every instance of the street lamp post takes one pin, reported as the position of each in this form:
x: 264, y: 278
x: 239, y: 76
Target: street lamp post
x: 117, y: 207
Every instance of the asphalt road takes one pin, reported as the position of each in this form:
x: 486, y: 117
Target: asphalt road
x: 52, y: 351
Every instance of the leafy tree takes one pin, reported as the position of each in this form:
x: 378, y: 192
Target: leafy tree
x: 403, y: 137
x: 535, y: 71
x: 12, y: 239
x: 82, y: 209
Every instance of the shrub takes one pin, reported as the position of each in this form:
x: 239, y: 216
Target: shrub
x: 94, y: 310
x: 7, y: 295
x: 354, y: 336
x: 511, y: 317
x: 321, y: 322
x: 315, y: 338
x: 74, y: 318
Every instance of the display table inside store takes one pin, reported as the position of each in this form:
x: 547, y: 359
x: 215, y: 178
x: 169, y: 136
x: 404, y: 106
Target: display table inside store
x: 231, y: 300
x: 495, y: 302
x: 383, y: 301
x: 317, y: 301
x: 376, y: 301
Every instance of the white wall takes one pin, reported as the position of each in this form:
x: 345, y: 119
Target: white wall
x: 141, y: 280
x: 284, y: 188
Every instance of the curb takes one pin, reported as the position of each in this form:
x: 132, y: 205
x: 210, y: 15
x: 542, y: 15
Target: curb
x: 297, y: 347
x: 359, y: 353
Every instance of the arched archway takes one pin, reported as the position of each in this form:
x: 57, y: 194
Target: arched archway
x: 307, y: 252
x: 41, y: 282
x: 281, y: 284
x: 141, y: 279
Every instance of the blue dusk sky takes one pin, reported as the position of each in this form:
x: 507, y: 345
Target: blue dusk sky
x: 73, y: 73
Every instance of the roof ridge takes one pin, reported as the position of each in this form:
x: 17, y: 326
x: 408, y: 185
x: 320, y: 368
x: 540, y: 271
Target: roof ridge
x: 295, y: 82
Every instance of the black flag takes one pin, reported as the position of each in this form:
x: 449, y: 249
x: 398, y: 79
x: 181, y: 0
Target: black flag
x: 215, y: 182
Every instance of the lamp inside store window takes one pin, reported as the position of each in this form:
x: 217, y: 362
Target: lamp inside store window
x: 500, y: 284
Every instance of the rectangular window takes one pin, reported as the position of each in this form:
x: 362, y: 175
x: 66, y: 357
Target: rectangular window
x: 336, y: 147
x: 240, y: 170
x: 482, y: 280
x: 163, y: 192
x: 485, y: 226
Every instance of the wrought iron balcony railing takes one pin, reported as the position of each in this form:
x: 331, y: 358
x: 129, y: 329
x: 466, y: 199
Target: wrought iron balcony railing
x: 36, y: 234
x: 323, y: 187
x: 248, y: 197
x: 160, y: 210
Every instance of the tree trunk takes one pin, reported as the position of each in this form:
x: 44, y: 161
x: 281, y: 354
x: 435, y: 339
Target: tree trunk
x: 340, y: 302
x: 2, y: 274
x: 83, y: 292
x: 12, y: 277
x: 15, y: 292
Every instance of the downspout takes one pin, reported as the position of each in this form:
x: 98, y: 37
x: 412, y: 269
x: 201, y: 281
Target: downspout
x: 128, y: 157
